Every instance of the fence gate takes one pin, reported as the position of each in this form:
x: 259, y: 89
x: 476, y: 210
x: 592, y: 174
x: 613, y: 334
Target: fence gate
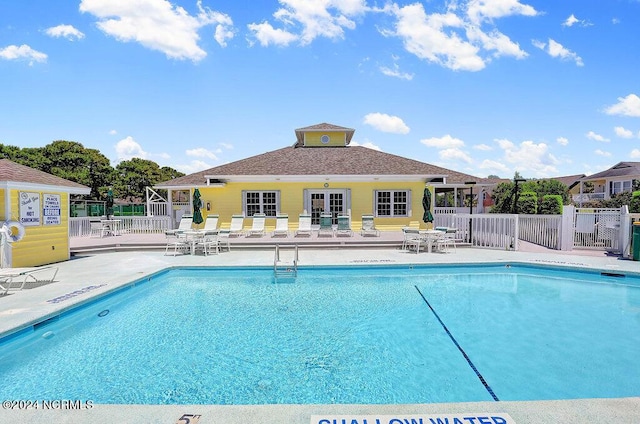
x: 596, y: 229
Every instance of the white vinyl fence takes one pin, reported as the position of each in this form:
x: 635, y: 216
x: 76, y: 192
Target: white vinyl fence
x: 81, y: 227
x: 493, y: 231
x: 544, y: 230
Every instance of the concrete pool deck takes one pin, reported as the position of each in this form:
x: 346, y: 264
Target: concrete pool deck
x: 90, y: 274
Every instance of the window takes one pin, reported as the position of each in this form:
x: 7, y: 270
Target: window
x: 620, y: 186
x: 266, y: 202
x: 392, y: 202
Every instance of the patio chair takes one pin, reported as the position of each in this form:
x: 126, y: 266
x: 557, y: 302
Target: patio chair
x: 282, y: 226
x: 178, y: 242
x: 304, y: 225
x: 237, y: 225
x: 185, y: 224
x: 32, y: 277
x: 411, y: 237
x: 257, y: 226
x: 368, y: 227
x: 210, y: 244
x: 344, y: 227
x: 97, y: 229
x: 447, y: 239
x: 326, y: 225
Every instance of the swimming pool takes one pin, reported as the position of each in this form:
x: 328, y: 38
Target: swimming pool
x: 339, y: 335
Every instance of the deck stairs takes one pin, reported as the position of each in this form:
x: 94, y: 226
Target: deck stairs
x: 285, y: 265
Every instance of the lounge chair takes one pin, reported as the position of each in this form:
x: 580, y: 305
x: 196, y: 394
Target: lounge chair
x: 282, y: 226
x: 211, y: 224
x: 18, y: 278
x: 326, y: 225
x: 304, y: 225
x: 368, y: 227
x: 237, y: 225
x: 257, y: 226
x: 344, y: 227
x: 185, y: 224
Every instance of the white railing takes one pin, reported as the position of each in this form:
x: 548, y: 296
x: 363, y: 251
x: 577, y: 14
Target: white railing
x: 543, y: 230
x: 81, y: 227
x: 492, y: 231
x: 597, y: 229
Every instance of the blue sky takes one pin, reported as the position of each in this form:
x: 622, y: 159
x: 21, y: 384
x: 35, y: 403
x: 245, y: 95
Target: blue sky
x: 542, y: 87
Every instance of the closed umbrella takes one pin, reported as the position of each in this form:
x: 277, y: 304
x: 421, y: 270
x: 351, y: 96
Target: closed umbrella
x: 109, y: 204
x: 197, y: 204
x: 426, y: 204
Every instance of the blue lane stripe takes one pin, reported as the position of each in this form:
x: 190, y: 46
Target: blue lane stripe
x: 453, y: 339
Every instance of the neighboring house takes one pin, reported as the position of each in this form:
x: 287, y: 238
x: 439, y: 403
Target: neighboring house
x: 320, y: 173
x: 40, y: 203
x: 623, y: 176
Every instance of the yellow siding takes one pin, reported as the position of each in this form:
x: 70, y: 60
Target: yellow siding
x: 335, y: 138
x: 227, y: 201
x: 42, y: 244
x: 2, y: 204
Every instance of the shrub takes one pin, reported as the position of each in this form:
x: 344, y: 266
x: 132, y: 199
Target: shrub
x: 528, y: 202
x: 634, y: 204
x: 551, y: 205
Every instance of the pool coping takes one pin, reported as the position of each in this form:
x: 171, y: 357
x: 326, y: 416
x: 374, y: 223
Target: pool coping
x: 30, y: 306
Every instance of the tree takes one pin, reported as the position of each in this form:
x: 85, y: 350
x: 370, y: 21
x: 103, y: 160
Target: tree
x: 134, y: 175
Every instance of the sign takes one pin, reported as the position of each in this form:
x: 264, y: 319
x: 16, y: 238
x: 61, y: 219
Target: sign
x: 460, y: 418
x: 51, y: 209
x: 29, y: 208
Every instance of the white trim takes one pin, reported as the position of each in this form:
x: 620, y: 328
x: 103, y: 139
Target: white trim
x: 13, y: 185
x: 317, y: 178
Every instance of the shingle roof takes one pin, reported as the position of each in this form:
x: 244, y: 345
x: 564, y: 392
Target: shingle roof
x: 621, y: 169
x: 351, y: 160
x: 14, y: 172
x: 568, y: 180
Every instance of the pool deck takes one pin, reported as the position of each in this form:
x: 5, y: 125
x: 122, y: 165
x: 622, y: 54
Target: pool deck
x: 103, y: 265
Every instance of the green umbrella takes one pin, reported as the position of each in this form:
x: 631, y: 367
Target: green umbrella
x: 197, y: 204
x: 426, y: 204
x: 109, y: 204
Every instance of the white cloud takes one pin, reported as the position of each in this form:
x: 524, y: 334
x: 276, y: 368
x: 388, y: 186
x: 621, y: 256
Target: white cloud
x: 22, y: 52
x: 486, y: 10
x: 445, y: 142
x: 563, y: 141
x: 493, y: 165
x: 395, y: 72
x: 623, y: 132
x: 601, y: 153
x: 530, y: 157
x: 309, y: 20
x: 615, y: 21
x: 626, y: 106
x: 226, y: 146
x: 367, y: 144
x: 201, y: 152
x: 454, y: 154
x: 266, y: 35
x: 159, y: 25
x: 635, y: 154
x: 482, y: 147
x: 496, y: 41
x: 572, y: 20
x: 128, y: 148
x: 193, y: 166
x: 113, y: 132
x: 555, y: 49
x: 597, y: 137
x: 386, y: 123
x: 66, y: 31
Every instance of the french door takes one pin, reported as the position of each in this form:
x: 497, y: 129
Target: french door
x: 326, y: 201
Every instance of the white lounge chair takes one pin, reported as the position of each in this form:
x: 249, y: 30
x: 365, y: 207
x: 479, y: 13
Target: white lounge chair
x: 18, y: 278
x: 282, y: 226
x: 237, y: 225
x: 368, y: 226
x: 185, y: 224
x: 257, y: 226
x: 304, y: 225
x: 211, y: 224
x: 344, y: 227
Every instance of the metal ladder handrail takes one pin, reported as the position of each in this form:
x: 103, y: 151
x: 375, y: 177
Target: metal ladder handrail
x: 276, y: 261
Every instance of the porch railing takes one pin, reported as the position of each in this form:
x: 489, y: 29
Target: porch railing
x: 81, y: 227
x: 493, y: 231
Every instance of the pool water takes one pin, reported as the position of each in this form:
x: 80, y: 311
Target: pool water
x: 339, y: 335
